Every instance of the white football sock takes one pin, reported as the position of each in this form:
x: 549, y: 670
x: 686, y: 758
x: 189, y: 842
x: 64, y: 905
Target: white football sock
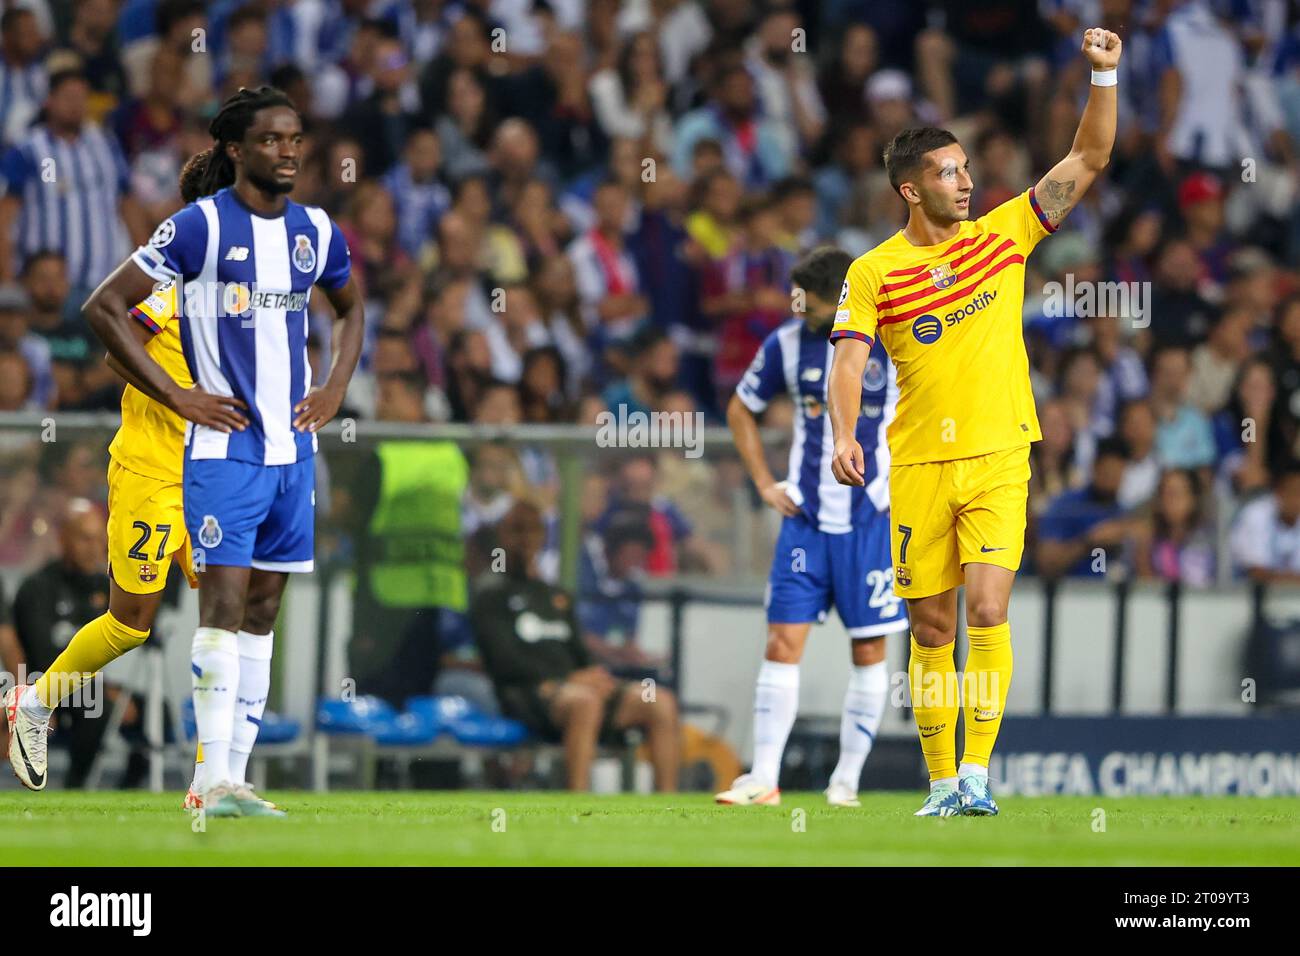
x: 950, y: 781
x: 972, y: 770
x: 196, y: 784
x: 864, y: 706
x: 776, y: 701
x: 250, y: 702
x: 30, y: 704
x: 214, y: 679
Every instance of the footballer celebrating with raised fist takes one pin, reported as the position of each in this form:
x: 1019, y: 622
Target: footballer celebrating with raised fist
x: 944, y: 296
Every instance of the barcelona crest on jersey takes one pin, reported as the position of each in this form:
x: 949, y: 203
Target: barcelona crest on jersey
x: 943, y: 276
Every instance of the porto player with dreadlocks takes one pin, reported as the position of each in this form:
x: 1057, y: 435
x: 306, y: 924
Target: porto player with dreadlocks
x: 144, y: 491
x: 243, y: 259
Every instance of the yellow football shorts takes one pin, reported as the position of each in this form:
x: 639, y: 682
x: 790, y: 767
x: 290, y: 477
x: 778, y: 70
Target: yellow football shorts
x: 146, y: 528
x: 947, y: 514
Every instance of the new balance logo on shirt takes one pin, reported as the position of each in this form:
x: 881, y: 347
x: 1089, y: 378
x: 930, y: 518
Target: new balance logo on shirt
x: 237, y: 253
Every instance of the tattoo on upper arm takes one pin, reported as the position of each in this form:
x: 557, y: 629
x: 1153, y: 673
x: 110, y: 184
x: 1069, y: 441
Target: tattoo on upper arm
x: 1057, y: 199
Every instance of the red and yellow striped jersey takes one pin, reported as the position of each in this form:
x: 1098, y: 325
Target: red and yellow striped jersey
x: 949, y: 315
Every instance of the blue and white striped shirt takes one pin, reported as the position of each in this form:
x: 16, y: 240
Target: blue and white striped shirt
x: 797, y: 361
x: 245, y: 279
x: 22, y: 91
x: 70, y: 190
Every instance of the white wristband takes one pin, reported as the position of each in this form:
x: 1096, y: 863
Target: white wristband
x: 1105, y: 77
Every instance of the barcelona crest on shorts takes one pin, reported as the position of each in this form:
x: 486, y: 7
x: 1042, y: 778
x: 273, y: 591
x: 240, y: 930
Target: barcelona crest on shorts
x: 148, y: 573
x: 943, y: 276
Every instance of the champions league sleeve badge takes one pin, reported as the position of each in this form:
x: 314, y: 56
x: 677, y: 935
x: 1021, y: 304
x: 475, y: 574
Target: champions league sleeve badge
x: 164, y: 234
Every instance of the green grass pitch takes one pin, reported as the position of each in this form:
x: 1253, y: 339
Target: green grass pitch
x: 531, y: 828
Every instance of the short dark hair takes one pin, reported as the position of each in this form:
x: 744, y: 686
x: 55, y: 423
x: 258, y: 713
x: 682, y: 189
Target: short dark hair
x: 40, y: 255
x: 1111, y: 447
x: 413, y: 380
x: 1163, y: 349
x: 630, y: 524
x: 171, y: 12
x: 906, y: 152
x: 754, y: 204
x: 10, y: 17
x: 646, y: 337
x: 248, y: 13
x: 385, y: 28
x: 464, y: 182
x: 789, y: 186
x: 822, y: 271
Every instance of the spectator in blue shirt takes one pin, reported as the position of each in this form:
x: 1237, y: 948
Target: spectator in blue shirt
x: 753, y: 147
x: 420, y: 197
x: 610, y: 593
x: 1184, y: 436
x: 1079, y: 523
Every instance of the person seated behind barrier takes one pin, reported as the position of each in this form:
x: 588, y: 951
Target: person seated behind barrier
x: 48, y: 608
x: 1265, y: 539
x: 1079, y: 524
x: 532, y: 647
x: 1176, y: 542
x: 610, y: 595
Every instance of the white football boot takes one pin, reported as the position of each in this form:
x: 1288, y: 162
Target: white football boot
x: 747, y: 790
x: 838, y: 795
x: 27, y: 744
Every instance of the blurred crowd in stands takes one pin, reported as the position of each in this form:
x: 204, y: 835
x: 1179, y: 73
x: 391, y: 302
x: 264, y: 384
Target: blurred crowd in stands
x: 557, y: 207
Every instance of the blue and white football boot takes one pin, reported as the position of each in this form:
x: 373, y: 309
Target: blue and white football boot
x: 976, y: 801
x: 942, y: 802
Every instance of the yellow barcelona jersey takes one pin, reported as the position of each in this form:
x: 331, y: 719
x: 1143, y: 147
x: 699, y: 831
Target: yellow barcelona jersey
x: 151, y: 441
x: 949, y: 315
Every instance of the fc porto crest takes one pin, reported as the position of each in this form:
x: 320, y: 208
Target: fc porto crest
x: 304, y: 253
x: 210, y: 534
x: 942, y: 276
x: 873, y: 376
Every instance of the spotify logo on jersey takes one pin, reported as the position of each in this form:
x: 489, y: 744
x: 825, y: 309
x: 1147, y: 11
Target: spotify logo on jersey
x: 927, y: 329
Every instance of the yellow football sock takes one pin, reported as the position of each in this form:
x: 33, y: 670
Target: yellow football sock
x: 103, y: 640
x: 984, y: 690
x: 198, y: 754
x: 933, y: 678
